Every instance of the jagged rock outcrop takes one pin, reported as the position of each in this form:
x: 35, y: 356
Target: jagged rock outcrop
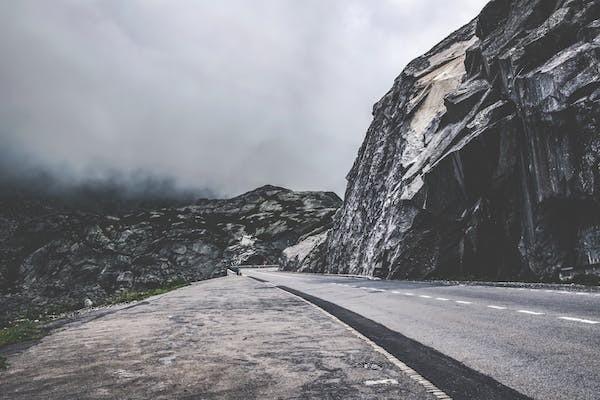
x: 482, y: 161
x: 308, y: 255
x: 58, y: 257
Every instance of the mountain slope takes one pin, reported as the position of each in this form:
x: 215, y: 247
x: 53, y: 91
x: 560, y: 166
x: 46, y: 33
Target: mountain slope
x: 53, y: 257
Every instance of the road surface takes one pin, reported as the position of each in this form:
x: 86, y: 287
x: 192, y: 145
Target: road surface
x: 228, y: 338
x: 544, y: 343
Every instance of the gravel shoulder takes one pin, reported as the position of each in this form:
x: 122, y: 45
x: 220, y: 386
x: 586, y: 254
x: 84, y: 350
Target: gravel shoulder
x: 227, y: 338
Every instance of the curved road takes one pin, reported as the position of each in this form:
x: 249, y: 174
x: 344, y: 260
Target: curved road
x: 544, y: 343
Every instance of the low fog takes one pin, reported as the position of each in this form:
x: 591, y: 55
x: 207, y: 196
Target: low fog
x: 216, y: 97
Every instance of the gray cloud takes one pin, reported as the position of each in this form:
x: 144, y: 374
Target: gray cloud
x: 225, y: 95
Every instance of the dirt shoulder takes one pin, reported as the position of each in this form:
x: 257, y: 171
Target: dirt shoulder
x: 228, y: 338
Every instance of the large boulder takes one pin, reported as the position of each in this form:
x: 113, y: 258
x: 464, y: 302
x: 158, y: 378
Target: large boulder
x: 307, y: 255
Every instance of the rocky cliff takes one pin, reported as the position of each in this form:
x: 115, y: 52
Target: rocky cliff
x: 56, y: 257
x: 482, y: 161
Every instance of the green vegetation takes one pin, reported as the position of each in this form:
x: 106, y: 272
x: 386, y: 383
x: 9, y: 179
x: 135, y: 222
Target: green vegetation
x: 20, y: 331
x: 132, y: 295
x: 23, y: 330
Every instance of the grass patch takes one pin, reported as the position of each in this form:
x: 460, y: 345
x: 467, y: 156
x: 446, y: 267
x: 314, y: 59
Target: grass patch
x: 20, y: 331
x: 134, y: 295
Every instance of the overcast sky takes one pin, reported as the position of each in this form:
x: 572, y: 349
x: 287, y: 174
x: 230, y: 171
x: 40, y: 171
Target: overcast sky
x: 221, y: 94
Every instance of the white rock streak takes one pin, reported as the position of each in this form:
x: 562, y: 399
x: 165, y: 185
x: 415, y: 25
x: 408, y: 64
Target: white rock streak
x: 303, y: 248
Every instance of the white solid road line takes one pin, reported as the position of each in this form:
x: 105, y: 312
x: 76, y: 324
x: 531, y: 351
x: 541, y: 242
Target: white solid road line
x: 497, y: 307
x: 382, y: 382
x: 585, y: 321
x: 557, y: 291
x: 530, y: 312
x: 463, y: 302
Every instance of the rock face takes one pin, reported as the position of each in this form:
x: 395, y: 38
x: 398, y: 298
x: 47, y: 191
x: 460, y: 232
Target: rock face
x: 482, y: 161
x: 307, y: 255
x: 65, y: 257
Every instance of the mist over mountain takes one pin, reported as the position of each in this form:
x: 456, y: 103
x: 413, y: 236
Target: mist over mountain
x: 108, y: 193
x: 210, y: 95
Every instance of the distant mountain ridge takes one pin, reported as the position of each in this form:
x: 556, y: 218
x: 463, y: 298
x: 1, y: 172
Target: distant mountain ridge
x: 57, y: 257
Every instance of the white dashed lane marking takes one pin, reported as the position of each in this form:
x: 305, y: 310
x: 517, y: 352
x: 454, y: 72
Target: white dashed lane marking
x: 492, y: 306
x: 585, y: 321
x: 530, y: 312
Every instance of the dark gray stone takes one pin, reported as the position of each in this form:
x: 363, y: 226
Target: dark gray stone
x: 482, y: 161
x: 55, y: 257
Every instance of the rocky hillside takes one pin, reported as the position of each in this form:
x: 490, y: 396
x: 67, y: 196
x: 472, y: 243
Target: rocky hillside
x: 56, y: 257
x: 482, y: 161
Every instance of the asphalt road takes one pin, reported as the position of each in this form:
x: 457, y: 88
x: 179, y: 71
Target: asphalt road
x: 544, y: 343
x: 222, y: 339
